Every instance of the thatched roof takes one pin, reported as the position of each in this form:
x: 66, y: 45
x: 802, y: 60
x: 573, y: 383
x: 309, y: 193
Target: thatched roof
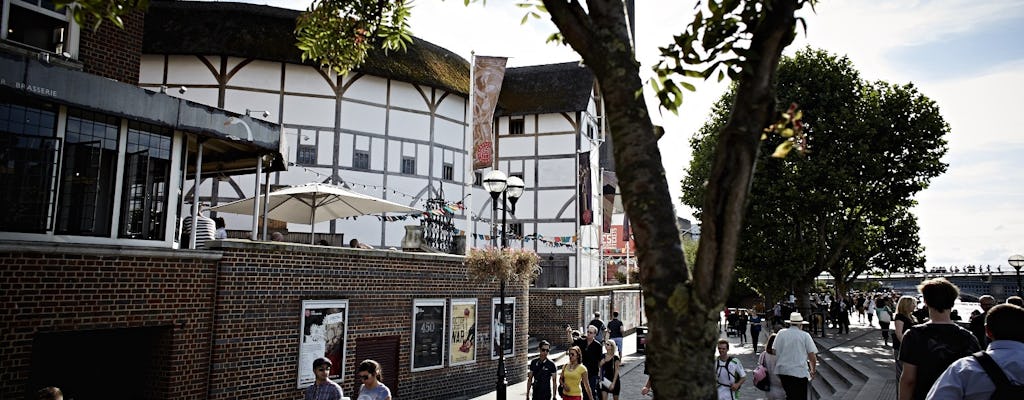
x: 267, y: 33
x: 542, y: 89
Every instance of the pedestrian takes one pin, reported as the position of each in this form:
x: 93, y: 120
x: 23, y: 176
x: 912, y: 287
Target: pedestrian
x: 597, y: 322
x: 615, y: 331
x: 929, y: 348
x: 205, y: 230
x: 369, y: 373
x: 755, y: 329
x: 609, y: 366
x: 741, y: 326
x: 1015, y: 300
x: 323, y: 388
x: 797, y: 358
x: 775, y: 392
x: 902, y: 321
x: 539, y: 379
x: 221, y: 228
x: 870, y: 304
x: 50, y: 393
x: 356, y: 244
x: 968, y: 379
x: 575, y: 379
x: 728, y: 372
x: 277, y: 237
x: 860, y: 308
x: 884, y: 313
x: 592, y: 352
x: 977, y: 323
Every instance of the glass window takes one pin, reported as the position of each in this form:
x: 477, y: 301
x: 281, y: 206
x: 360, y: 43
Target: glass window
x: 515, y: 230
x: 147, y: 173
x: 38, y: 24
x: 361, y: 160
x: 447, y: 171
x: 408, y: 165
x: 88, y: 172
x: 28, y: 164
x: 305, y: 155
x: 478, y: 178
x: 516, y: 126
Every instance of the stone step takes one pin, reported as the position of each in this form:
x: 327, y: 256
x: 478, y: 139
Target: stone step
x: 837, y: 379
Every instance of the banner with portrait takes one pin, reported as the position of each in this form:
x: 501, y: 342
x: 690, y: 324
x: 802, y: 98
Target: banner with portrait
x: 462, y: 342
x: 585, y: 190
x: 428, y: 335
x: 505, y: 334
x: 323, y: 332
x: 487, y: 76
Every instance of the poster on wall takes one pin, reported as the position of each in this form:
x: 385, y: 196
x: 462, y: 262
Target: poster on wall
x: 323, y: 331
x: 462, y: 342
x: 428, y: 334
x: 506, y: 335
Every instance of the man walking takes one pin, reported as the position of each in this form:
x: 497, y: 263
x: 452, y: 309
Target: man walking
x: 929, y: 348
x: 615, y: 331
x: 596, y: 322
x: 978, y: 321
x: 968, y: 379
x: 728, y: 372
x: 323, y: 388
x: 797, y: 358
x: 593, y: 351
x: 540, y: 376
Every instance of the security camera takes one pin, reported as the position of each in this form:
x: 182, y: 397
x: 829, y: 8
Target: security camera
x: 266, y: 114
x: 182, y: 90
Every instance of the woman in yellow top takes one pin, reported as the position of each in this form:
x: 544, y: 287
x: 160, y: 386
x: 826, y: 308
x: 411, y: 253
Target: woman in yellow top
x: 574, y: 377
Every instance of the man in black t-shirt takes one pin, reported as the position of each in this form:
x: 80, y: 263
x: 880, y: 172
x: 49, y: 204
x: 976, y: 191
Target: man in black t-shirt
x: 540, y: 376
x: 929, y: 348
x: 596, y: 322
x: 593, y: 351
x: 978, y: 321
x: 615, y: 331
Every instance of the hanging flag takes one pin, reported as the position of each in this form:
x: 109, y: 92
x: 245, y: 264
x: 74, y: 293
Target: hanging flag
x: 585, y: 190
x: 487, y: 74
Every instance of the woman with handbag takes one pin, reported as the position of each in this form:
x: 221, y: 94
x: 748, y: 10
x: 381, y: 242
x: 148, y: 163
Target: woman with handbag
x: 884, y: 312
x: 574, y: 379
x: 610, y: 371
x: 768, y: 359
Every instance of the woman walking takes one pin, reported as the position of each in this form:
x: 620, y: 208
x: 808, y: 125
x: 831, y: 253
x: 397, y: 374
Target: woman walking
x: 884, y: 312
x: 610, y: 371
x: 755, y: 329
x: 775, y: 392
x: 369, y: 374
x: 574, y: 377
x: 903, y: 321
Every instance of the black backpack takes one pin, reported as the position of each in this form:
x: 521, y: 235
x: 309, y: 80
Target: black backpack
x: 1005, y: 390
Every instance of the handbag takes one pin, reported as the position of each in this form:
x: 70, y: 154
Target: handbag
x: 606, y: 383
x: 761, y: 380
x: 884, y: 316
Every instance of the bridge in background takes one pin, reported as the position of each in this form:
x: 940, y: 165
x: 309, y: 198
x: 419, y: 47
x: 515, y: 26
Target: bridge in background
x: 972, y: 285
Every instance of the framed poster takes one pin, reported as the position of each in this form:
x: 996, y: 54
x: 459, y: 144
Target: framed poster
x: 506, y: 333
x: 323, y: 332
x: 428, y: 333
x: 462, y: 341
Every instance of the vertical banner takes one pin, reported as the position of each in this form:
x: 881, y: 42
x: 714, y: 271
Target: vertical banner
x: 507, y: 333
x: 428, y: 335
x: 324, y: 327
x: 609, y: 188
x: 462, y: 344
x: 487, y: 73
x: 584, y: 198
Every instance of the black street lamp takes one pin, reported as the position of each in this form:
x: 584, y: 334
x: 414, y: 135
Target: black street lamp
x: 1016, y: 261
x: 510, y: 189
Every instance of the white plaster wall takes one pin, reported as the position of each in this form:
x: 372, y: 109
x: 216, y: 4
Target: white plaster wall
x: 377, y: 154
x: 258, y: 74
x: 516, y: 146
x: 240, y: 100
x: 550, y: 202
x: 394, y: 156
x: 367, y: 88
x: 453, y: 106
x: 306, y: 80
x: 548, y: 123
x: 303, y: 110
x: 206, y: 96
x: 325, y: 149
x: 409, y: 125
x: 151, y: 69
x: 556, y: 144
x: 448, y: 133
x: 361, y: 117
x: 556, y: 172
x: 405, y: 95
x: 345, y: 146
x: 185, y: 70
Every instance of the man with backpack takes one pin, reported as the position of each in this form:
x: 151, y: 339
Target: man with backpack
x: 929, y: 348
x: 728, y: 372
x: 969, y: 378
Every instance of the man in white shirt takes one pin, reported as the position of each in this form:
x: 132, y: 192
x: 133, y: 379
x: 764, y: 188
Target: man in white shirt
x: 728, y: 372
x: 797, y: 358
x: 966, y: 379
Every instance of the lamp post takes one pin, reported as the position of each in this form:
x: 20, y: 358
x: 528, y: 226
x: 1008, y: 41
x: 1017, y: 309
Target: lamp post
x: 1016, y: 261
x: 509, y: 189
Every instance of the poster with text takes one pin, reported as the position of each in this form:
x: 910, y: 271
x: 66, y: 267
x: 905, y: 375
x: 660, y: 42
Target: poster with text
x: 507, y: 333
x: 323, y: 332
x: 428, y: 335
x: 462, y: 344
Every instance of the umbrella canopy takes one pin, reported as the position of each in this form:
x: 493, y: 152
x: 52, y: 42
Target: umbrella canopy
x: 315, y: 202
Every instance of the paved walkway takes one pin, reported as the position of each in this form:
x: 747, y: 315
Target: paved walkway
x: 862, y: 349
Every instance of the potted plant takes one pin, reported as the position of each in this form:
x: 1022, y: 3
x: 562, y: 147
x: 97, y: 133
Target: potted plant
x: 512, y: 265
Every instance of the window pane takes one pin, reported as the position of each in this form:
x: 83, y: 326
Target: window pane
x: 33, y: 28
x: 28, y: 165
x: 408, y: 165
x: 516, y: 126
x: 305, y: 155
x: 447, y: 172
x: 361, y: 160
x: 88, y: 173
x: 147, y: 173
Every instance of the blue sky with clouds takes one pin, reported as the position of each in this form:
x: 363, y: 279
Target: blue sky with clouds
x: 968, y: 56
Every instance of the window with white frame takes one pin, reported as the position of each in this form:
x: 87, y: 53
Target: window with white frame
x: 38, y: 24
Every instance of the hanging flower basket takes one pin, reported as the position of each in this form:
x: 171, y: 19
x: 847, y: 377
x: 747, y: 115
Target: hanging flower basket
x: 512, y: 265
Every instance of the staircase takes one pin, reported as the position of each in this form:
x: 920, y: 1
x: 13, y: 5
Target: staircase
x: 854, y: 367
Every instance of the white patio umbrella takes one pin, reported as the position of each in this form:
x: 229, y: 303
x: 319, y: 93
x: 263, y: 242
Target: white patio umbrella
x: 315, y: 202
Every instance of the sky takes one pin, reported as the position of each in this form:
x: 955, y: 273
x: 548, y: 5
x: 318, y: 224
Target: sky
x: 965, y: 55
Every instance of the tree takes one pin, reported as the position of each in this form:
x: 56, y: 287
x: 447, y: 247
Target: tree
x: 843, y: 207
x: 743, y: 39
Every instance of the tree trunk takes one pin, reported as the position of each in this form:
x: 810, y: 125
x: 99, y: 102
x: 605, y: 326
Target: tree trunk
x: 682, y: 312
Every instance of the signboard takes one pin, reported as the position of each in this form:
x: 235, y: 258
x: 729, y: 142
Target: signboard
x: 507, y: 335
x: 428, y: 334
x: 462, y: 342
x: 323, y: 333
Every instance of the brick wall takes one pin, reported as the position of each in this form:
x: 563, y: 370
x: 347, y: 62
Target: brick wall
x: 113, y: 52
x: 548, y: 319
x: 49, y: 290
